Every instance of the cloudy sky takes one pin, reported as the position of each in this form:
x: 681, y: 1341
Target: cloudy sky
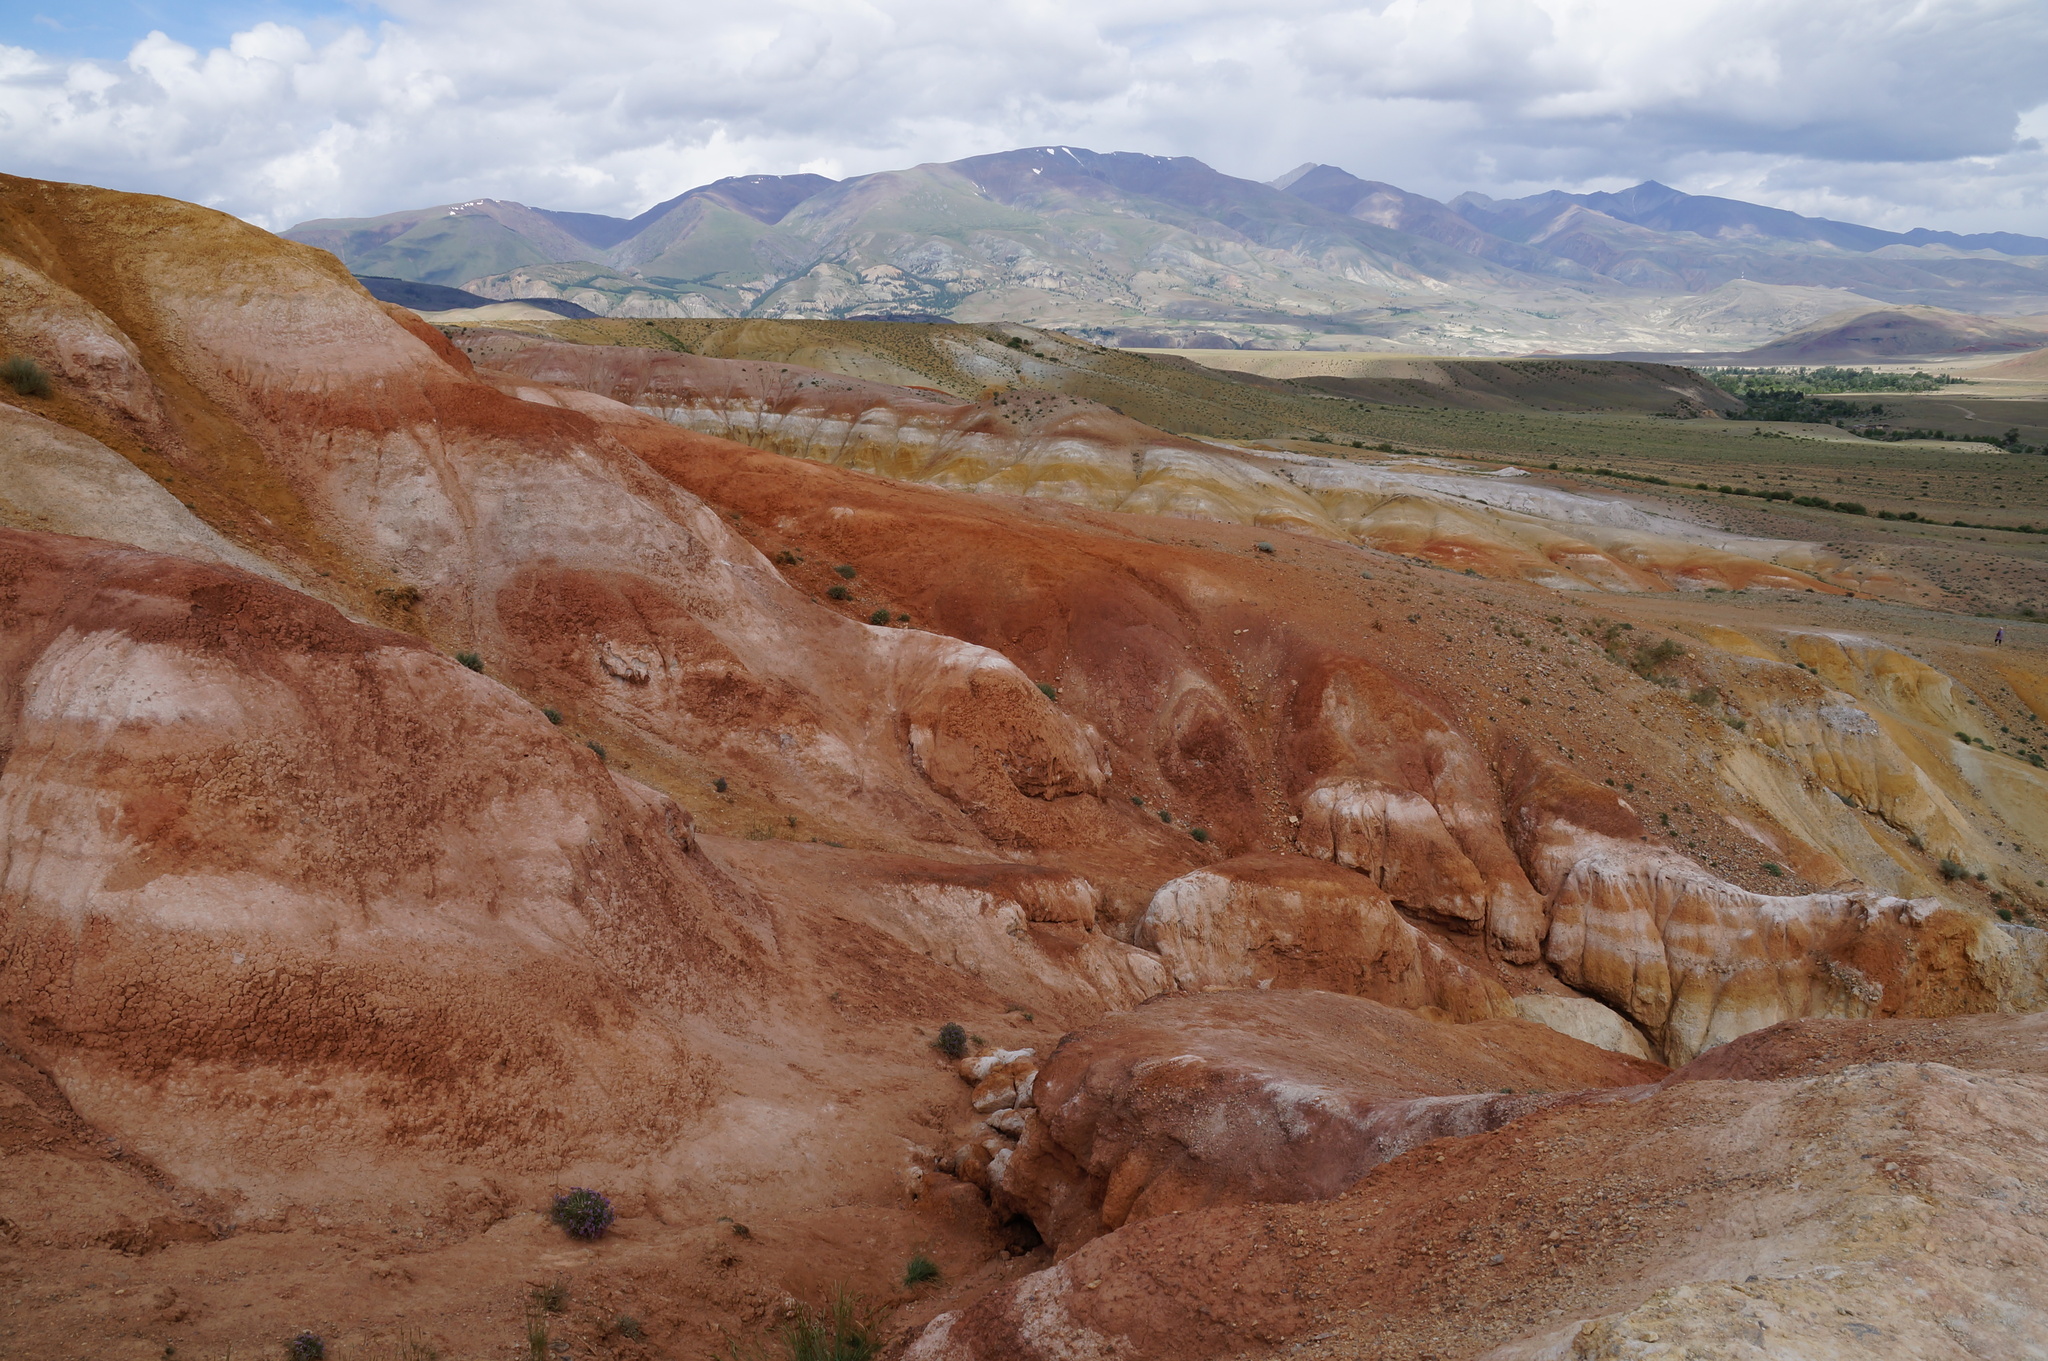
x: 1899, y: 113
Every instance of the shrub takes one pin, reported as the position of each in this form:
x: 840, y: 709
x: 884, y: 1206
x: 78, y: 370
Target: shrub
x: 27, y: 378
x: 628, y: 1327
x: 879, y: 617
x: 845, y: 569
x: 1165, y: 816
x: 553, y: 716
x: 1049, y: 692
x: 582, y: 1213
x: 2005, y: 914
x: 470, y: 660
x: 1950, y: 870
x: 1263, y: 547
x: 306, y: 1347
x: 1775, y: 870
x: 553, y: 1297
x: 1199, y: 833
x: 787, y: 558
x: 1852, y: 508
x: 1651, y: 657
x: 1704, y: 696
x: 1138, y: 800
x: 839, y: 593
x: 952, y: 1040
x: 719, y: 784
x: 920, y: 1269
x: 597, y: 747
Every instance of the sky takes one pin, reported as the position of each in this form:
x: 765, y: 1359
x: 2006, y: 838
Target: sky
x: 1898, y: 113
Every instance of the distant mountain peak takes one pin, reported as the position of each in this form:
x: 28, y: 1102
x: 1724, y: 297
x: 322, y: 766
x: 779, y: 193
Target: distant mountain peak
x: 1123, y: 242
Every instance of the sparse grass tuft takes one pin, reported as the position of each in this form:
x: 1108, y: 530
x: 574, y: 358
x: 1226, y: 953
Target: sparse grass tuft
x: 306, y: 1346
x: 630, y: 1328
x: 1049, y: 692
x: 470, y: 660
x: 845, y: 569
x: 1950, y: 870
x: 553, y: 716
x: 26, y: 377
x: 553, y: 1297
x: 597, y: 747
x: 1775, y: 870
x: 880, y: 616
x: 838, y: 1330
x: 920, y: 1269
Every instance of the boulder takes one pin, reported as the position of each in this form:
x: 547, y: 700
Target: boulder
x: 1286, y: 921
x: 1232, y: 1097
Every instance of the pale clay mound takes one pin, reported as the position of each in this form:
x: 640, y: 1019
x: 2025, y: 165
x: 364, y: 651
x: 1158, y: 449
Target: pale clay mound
x: 326, y: 958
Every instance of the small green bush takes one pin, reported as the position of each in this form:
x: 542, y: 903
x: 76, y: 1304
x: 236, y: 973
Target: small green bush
x: 27, y: 378
x: 1950, y: 870
x: 719, y: 784
x: 470, y: 660
x: 598, y: 747
x: 1775, y: 870
x: 1199, y: 833
x: 553, y: 716
x: 553, y: 1297
x: 1138, y: 800
x: 1263, y: 547
x: 1165, y: 816
x: 879, y: 617
x: 952, y: 1040
x: 920, y: 1269
x: 582, y: 1213
x: 2005, y: 914
x: 306, y: 1347
x: 630, y: 1328
x: 845, y: 569
x: 839, y: 593
x: 1049, y: 692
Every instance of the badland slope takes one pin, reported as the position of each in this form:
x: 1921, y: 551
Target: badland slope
x: 429, y: 782
x: 1165, y: 251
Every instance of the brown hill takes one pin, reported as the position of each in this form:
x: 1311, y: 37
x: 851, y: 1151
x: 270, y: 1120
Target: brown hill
x: 1896, y: 333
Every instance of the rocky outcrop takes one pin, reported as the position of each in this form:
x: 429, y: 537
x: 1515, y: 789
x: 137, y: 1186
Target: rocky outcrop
x: 1698, y: 1215
x: 1398, y: 794
x: 1697, y: 961
x: 1283, y: 921
x: 1582, y: 1018
x: 1229, y: 1098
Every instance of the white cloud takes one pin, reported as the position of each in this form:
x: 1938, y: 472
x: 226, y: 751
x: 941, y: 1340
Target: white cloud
x: 1897, y: 112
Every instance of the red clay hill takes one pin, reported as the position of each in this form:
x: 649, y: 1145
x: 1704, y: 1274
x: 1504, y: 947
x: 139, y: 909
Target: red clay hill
x: 425, y: 789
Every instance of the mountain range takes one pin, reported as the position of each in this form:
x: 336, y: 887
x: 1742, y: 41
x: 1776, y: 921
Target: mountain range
x: 1166, y: 251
